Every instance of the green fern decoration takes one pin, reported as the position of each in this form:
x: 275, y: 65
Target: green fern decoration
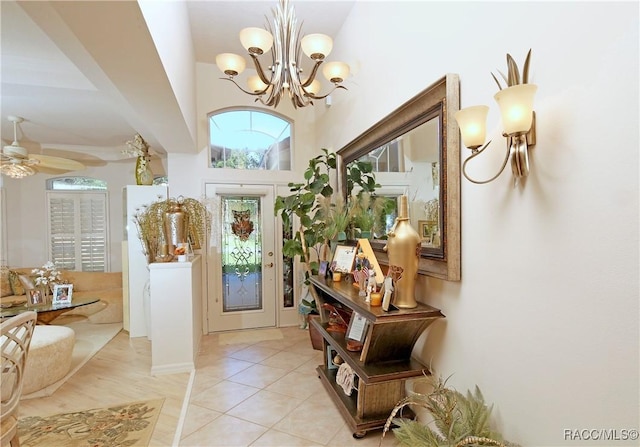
x: 459, y: 420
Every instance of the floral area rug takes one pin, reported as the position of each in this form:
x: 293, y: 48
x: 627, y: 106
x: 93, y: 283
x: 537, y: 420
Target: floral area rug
x: 129, y: 424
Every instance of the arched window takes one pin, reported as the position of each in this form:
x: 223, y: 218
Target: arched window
x: 76, y: 184
x: 249, y: 139
x: 77, y: 208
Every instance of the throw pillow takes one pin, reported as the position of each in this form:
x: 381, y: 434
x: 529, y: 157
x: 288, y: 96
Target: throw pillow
x: 5, y: 285
x: 16, y: 285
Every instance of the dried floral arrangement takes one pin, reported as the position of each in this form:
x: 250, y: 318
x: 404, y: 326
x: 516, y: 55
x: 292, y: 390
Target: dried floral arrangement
x: 149, y: 222
x: 138, y: 147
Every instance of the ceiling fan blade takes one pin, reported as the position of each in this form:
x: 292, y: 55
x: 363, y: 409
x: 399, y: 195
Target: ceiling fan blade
x: 47, y: 161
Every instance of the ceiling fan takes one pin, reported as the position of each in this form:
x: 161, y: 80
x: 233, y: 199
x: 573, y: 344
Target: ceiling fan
x: 15, y: 162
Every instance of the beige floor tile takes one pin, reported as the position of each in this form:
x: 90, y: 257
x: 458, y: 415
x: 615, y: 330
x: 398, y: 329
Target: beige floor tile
x: 275, y: 438
x: 287, y: 360
x: 373, y: 438
x: 265, y: 408
x: 254, y: 354
x: 259, y: 376
x: 223, y: 396
x: 224, y: 431
x: 303, y: 347
x: 296, y: 384
x: 311, y: 420
x: 224, y: 367
x: 309, y: 367
x: 196, y: 418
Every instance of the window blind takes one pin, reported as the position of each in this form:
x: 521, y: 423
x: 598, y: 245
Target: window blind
x: 78, y: 229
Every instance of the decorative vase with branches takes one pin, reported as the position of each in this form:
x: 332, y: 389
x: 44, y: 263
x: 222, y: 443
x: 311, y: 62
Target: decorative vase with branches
x: 149, y: 221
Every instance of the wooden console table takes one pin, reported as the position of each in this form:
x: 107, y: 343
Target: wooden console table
x: 383, y: 365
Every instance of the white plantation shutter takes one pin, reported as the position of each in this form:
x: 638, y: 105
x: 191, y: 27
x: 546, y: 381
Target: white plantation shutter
x: 78, y: 230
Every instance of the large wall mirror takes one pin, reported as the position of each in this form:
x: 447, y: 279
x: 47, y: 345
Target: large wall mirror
x: 415, y: 150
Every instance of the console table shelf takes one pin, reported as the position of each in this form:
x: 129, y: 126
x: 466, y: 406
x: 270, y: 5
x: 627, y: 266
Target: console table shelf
x: 383, y: 365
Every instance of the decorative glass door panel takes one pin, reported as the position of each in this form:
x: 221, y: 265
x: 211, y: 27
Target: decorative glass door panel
x: 241, y: 254
x: 241, y: 270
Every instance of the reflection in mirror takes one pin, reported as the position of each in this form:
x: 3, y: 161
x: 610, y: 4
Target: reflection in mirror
x: 412, y: 161
x: 415, y: 151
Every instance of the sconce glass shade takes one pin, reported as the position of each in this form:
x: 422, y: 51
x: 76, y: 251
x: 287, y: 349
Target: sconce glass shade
x: 473, y: 125
x: 335, y: 72
x: 230, y: 64
x: 256, y: 40
x: 516, y: 107
x: 255, y: 84
x: 316, y: 46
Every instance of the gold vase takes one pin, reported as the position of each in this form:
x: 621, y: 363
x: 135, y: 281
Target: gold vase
x: 403, y: 247
x: 144, y: 176
x: 175, y: 227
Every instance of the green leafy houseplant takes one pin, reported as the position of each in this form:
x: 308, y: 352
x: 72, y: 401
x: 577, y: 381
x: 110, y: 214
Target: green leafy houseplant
x: 306, y: 202
x: 459, y: 420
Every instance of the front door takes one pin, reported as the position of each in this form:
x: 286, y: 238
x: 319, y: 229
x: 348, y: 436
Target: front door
x: 241, y: 274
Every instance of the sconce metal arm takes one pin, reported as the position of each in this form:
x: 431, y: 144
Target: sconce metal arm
x: 477, y: 152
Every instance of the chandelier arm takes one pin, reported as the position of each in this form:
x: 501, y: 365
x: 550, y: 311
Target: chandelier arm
x: 475, y: 154
x: 246, y: 91
x: 310, y: 95
x: 312, y: 76
x: 261, y: 74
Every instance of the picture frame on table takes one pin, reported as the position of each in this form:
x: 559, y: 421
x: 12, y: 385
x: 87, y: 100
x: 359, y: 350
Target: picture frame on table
x: 62, y: 294
x: 343, y: 258
x: 323, y: 270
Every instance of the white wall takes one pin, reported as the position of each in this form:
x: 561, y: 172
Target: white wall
x: 545, y: 319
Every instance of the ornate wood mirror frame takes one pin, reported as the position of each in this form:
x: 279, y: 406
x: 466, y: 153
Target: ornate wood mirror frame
x: 436, y: 105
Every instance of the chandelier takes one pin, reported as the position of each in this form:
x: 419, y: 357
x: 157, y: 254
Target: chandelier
x: 285, y: 72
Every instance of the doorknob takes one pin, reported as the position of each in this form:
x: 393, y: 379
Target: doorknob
x: 269, y: 264
x: 270, y: 253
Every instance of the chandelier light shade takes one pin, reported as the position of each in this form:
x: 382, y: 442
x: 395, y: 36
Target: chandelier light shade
x: 284, y: 75
x: 335, y: 72
x: 256, y: 40
x: 316, y: 46
x: 255, y: 84
x: 230, y: 64
x: 518, y: 120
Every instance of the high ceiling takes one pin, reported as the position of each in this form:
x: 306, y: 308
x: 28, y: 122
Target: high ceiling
x: 63, y: 72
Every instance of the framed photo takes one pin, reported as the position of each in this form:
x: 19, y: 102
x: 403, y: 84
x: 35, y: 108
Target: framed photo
x: 357, y: 329
x: 62, y: 293
x: 426, y: 229
x: 343, y: 258
x: 322, y: 270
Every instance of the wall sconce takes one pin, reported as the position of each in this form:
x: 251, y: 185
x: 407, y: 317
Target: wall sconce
x: 518, y: 119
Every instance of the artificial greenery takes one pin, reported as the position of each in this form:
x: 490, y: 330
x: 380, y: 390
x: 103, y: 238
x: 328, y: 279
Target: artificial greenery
x: 458, y: 420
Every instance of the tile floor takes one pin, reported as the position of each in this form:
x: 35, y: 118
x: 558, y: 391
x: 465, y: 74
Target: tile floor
x: 265, y: 393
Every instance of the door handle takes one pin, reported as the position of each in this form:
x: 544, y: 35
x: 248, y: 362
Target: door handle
x: 269, y: 264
